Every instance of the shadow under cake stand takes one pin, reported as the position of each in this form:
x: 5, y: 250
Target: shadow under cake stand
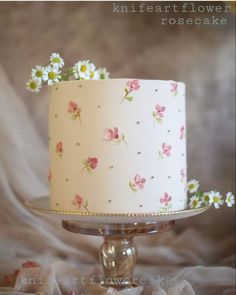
x: 118, y: 253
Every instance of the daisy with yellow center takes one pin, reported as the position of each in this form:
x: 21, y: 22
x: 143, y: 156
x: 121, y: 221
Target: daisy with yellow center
x: 206, y: 198
x: 192, y: 185
x: 195, y: 202
x: 57, y: 60
x: 81, y: 70
x: 33, y: 85
x: 216, y: 199
x: 52, y: 75
x: 37, y: 72
x: 230, y: 200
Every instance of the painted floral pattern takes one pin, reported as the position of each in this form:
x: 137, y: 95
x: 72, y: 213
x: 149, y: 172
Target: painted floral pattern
x: 132, y: 85
x: 137, y: 183
x: 59, y: 149
x: 174, y: 87
x: 90, y: 164
x: 165, y: 150
x: 166, y: 202
x: 79, y: 202
x: 74, y: 110
x: 114, y: 135
x: 158, y: 113
x: 182, y: 132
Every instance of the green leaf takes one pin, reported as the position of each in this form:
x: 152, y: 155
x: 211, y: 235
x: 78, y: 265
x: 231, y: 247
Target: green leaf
x: 129, y: 98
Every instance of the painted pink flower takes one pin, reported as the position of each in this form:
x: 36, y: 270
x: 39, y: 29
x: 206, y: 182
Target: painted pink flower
x: 182, y: 132
x: 132, y: 85
x: 74, y: 109
x: 111, y: 134
x: 30, y: 264
x: 79, y: 202
x: 165, y: 199
x: 90, y: 164
x: 137, y: 183
x: 59, y: 148
x: 114, y: 135
x: 158, y: 113
x: 182, y: 172
x: 166, y: 149
x: 174, y: 87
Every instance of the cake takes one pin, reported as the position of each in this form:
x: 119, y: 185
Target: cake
x: 117, y: 146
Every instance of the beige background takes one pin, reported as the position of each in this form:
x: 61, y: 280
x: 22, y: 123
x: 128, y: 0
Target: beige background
x: 136, y: 45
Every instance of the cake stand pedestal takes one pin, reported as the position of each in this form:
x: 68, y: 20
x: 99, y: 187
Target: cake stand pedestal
x: 118, y: 253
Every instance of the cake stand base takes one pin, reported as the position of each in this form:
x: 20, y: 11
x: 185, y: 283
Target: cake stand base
x: 118, y: 253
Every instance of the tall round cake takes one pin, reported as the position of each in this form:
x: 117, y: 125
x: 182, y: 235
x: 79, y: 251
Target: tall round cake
x: 117, y: 146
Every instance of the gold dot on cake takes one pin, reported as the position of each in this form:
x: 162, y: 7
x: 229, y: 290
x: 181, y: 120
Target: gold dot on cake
x: 57, y: 204
x: 111, y: 167
x: 49, y: 138
x: 79, y: 85
x: 67, y: 179
x: 56, y: 115
x: 99, y: 106
x: 77, y: 143
x: 108, y: 201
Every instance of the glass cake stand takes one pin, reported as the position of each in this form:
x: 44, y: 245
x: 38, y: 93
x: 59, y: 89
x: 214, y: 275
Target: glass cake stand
x: 118, y: 253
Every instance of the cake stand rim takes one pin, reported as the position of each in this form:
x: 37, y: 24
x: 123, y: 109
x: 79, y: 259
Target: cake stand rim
x: 30, y: 204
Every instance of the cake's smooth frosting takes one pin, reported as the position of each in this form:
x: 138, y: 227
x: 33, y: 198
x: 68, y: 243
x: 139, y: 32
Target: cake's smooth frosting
x: 117, y: 146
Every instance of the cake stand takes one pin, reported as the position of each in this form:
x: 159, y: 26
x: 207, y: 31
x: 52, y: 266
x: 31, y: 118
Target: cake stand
x: 118, y: 253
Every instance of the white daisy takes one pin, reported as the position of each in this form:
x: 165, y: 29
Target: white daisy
x: 37, y: 72
x: 81, y: 70
x: 57, y: 60
x: 206, y: 198
x: 216, y: 199
x: 33, y: 85
x: 192, y: 185
x: 195, y: 202
x: 93, y: 72
x: 230, y: 200
x: 52, y: 75
x: 103, y: 73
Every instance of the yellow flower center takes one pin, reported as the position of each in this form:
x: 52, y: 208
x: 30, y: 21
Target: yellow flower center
x: 91, y: 75
x: 216, y: 199
x: 83, y: 68
x: 191, y: 186
x: 56, y: 60
x: 195, y: 202
x: 39, y: 74
x: 51, y: 75
x: 207, y: 198
x: 33, y: 85
x: 102, y: 76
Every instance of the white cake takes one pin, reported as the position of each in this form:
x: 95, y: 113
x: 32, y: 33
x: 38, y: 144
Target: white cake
x: 117, y: 146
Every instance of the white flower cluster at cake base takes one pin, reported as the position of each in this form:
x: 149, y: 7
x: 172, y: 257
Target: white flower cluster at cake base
x: 53, y: 73
x: 200, y: 198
